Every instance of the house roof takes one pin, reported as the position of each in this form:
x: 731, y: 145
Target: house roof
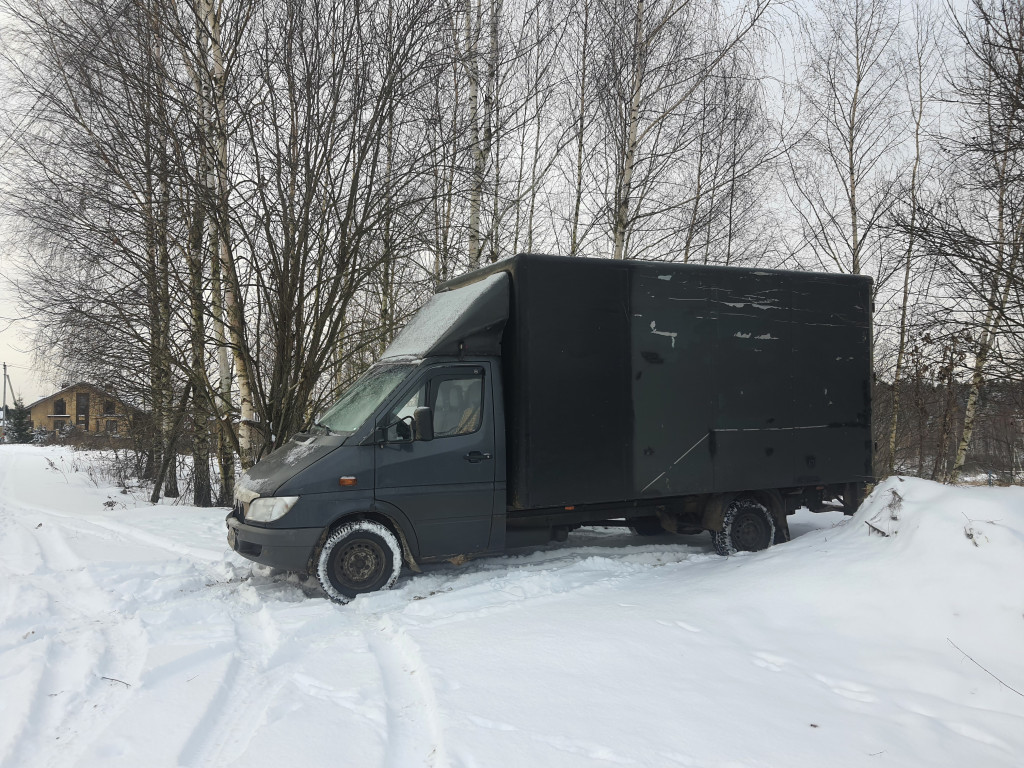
x: 78, y: 385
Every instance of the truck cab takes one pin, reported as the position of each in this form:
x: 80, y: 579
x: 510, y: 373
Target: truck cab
x: 414, y: 450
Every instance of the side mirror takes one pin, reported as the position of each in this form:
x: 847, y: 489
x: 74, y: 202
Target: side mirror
x: 402, y: 432
x: 423, y: 422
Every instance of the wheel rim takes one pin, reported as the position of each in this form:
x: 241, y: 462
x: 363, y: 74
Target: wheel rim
x: 358, y: 563
x: 750, y: 531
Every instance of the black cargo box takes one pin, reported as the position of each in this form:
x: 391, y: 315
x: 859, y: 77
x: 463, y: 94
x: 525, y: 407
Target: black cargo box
x: 635, y: 380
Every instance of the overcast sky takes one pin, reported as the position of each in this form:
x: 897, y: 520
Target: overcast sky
x: 15, y: 342
x: 15, y: 337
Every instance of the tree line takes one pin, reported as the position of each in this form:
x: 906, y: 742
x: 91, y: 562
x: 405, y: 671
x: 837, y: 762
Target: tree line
x: 230, y: 207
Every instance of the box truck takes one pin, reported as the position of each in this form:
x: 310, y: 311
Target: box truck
x: 541, y: 394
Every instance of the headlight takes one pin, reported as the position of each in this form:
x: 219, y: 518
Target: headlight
x: 266, y: 510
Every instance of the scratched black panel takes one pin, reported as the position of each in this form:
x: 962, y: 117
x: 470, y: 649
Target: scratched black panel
x: 754, y: 332
x: 838, y: 300
x: 754, y: 335
x: 833, y: 383
x: 673, y: 349
x: 772, y: 366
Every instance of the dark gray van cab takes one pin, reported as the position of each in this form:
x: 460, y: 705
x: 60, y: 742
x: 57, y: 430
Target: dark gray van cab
x: 542, y: 393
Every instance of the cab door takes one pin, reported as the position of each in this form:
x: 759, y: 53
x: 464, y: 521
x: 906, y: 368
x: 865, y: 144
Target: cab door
x: 445, y: 486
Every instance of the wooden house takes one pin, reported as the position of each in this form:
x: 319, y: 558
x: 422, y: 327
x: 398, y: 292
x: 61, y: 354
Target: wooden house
x: 84, y: 406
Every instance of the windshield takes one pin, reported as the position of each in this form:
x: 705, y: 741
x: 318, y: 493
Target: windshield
x: 362, y: 398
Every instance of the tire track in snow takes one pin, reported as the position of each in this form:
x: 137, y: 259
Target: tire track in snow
x: 120, y: 532
x: 441, y: 597
x: 235, y: 713
x: 67, y: 658
x: 98, y: 703
x: 126, y: 534
x: 89, y: 632
x: 91, y: 525
x: 209, y: 564
x: 31, y: 675
x: 68, y: 636
x: 18, y: 550
x: 414, y: 734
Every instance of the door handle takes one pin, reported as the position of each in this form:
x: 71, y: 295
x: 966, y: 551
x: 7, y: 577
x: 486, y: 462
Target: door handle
x: 475, y: 457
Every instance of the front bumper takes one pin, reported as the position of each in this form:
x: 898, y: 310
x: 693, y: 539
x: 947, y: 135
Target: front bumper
x: 287, y: 548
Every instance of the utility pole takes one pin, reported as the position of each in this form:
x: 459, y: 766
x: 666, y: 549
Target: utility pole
x: 3, y: 429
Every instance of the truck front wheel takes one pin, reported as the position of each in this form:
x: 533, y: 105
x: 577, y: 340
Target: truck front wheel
x: 747, y: 527
x: 359, y: 557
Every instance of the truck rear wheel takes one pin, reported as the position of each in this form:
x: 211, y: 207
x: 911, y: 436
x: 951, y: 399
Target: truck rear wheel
x: 747, y: 527
x: 359, y: 557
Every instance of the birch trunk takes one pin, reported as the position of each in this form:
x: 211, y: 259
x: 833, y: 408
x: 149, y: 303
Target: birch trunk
x: 574, y: 243
x: 201, y: 487
x: 902, y: 347
x: 1005, y: 267
x: 624, y: 186
x: 227, y: 438
x: 168, y: 429
x: 476, y: 187
x: 698, y: 188
x: 213, y: 155
x: 232, y: 286
x: 492, y: 136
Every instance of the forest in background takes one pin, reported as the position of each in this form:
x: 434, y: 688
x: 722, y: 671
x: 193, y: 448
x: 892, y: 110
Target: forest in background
x: 226, y: 209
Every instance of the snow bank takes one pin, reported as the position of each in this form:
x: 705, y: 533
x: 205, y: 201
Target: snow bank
x: 130, y: 635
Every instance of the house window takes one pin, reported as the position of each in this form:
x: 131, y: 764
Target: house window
x: 82, y: 410
x: 112, y: 426
x: 60, y: 408
x: 108, y: 407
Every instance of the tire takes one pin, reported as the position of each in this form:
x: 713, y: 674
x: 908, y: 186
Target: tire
x: 359, y: 557
x: 646, y: 526
x: 747, y: 527
x: 853, y: 496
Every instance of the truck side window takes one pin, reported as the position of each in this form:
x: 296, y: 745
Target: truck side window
x: 458, y: 405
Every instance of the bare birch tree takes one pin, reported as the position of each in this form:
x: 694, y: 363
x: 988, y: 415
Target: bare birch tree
x: 979, y: 229
x: 94, y: 190
x: 843, y: 170
x: 340, y: 167
x: 921, y: 84
x: 656, y: 56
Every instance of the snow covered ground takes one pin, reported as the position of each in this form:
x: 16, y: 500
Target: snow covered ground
x: 131, y: 636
